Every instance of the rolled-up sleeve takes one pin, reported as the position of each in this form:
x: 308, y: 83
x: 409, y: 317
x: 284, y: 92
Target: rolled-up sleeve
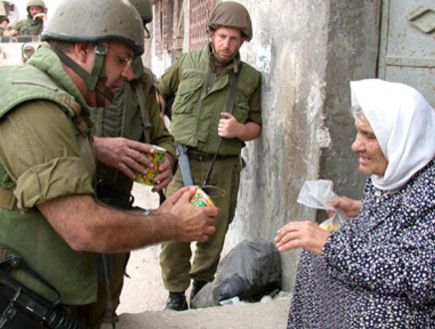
x: 40, y: 152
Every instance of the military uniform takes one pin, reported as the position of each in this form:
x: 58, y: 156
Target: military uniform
x: 134, y: 114
x: 45, y: 153
x: 28, y: 26
x: 200, y: 98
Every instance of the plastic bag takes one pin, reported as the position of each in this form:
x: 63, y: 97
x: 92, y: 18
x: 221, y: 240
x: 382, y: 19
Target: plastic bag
x: 250, y: 270
x: 315, y: 194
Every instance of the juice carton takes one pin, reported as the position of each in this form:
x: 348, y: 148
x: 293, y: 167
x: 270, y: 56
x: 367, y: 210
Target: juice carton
x: 157, y: 158
x: 201, y: 199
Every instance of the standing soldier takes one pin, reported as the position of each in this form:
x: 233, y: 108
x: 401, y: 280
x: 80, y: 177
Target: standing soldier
x: 209, y: 85
x: 34, y: 23
x: 123, y: 131
x: 51, y: 227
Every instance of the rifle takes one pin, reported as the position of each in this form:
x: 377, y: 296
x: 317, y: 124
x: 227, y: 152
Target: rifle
x: 21, y: 307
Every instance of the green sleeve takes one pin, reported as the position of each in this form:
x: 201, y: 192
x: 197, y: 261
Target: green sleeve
x: 255, y: 106
x: 169, y: 81
x: 40, y: 152
x: 159, y: 133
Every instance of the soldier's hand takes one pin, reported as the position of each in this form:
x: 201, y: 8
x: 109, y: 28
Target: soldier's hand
x: 122, y: 154
x: 165, y: 173
x: 228, y: 126
x: 192, y: 223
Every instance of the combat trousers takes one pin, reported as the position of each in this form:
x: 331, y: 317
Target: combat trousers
x: 175, y: 257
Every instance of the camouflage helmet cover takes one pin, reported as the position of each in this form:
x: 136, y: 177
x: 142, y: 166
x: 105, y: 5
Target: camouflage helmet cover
x: 145, y: 9
x: 36, y: 3
x: 231, y: 14
x: 95, y: 21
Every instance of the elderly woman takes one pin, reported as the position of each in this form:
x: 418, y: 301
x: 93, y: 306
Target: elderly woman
x: 377, y: 269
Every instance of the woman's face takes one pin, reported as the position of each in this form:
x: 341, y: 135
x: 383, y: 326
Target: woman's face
x: 371, y: 159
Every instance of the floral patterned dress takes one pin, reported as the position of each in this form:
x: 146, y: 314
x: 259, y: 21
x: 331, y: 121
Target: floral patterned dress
x: 378, y: 269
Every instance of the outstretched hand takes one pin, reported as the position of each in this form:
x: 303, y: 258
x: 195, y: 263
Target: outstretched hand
x: 297, y: 234
x: 192, y: 223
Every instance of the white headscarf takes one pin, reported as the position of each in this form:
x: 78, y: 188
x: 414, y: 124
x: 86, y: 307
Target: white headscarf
x: 404, y: 125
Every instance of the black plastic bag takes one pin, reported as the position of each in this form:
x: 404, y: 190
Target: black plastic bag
x: 251, y: 270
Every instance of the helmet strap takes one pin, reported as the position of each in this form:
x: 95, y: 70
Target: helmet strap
x: 94, y: 80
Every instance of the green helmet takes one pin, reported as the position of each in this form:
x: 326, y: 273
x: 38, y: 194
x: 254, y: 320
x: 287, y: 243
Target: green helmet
x: 145, y: 10
x: 35, y: 3
x: 96, y: 21
x: 231, y: 14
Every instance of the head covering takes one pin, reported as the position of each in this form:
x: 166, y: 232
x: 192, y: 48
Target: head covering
x: 404, y: 125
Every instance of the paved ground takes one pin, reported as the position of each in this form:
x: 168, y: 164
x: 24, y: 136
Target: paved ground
x: 143, y: 297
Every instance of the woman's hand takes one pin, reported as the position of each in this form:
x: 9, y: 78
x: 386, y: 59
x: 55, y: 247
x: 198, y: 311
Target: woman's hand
x: 348, y: 206
x: 306, y: 234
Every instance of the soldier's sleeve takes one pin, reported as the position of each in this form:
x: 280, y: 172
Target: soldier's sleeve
x: 40, y: 152
x: 255, y: 105
x: 169, y: 81
x: 159, y: 133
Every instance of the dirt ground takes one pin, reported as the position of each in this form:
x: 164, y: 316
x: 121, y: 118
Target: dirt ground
x: 143, y: 297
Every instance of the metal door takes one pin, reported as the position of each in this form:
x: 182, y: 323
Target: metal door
x: 407, y: 45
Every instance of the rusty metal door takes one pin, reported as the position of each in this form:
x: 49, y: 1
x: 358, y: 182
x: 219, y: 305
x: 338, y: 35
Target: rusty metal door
x: 407, y: 45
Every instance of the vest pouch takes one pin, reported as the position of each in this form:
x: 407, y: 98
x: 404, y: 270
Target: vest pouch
x: 187, y: 96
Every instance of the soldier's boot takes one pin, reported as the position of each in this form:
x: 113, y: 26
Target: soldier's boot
x: 176, y: 302
x: 196, y: 287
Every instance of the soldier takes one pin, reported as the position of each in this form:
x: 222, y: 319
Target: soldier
x: 120, y: 131
x: 34, y: 23
x: 208, y: 84
x: 48, y: 213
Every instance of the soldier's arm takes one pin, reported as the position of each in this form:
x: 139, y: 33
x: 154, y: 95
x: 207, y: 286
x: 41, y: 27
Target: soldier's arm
x: 169, y: 81
x: 86, y: 225
x: 40, y: 153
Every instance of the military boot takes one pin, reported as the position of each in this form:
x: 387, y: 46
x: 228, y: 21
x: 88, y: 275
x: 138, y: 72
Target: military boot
x: 196, y: 287
x: 176, y: 302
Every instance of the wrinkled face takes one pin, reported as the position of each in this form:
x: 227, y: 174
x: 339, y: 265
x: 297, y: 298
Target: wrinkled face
x: 35, y: 10
x: 371, y: 159
x: 226, y: 41
x: 118, y: 65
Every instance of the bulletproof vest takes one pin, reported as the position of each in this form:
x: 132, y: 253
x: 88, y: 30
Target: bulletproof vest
x: 198, y: 103
x: 25, y: 230
x: 127, y: 117
x: 29, y: 27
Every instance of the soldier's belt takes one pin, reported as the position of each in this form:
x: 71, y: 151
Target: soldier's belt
x: 7, y: 199
x: 201, y: 156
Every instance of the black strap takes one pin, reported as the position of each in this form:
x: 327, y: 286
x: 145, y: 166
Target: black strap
x: 230, y: 108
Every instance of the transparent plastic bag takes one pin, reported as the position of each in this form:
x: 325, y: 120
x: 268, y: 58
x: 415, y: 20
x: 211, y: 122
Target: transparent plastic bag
x: 315, y: 194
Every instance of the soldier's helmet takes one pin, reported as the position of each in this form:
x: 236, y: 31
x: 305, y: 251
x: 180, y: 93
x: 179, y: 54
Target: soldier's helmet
x: 35, y: 3
x: 145, y: 10
x: 96, y: 21
x: 231, y: 14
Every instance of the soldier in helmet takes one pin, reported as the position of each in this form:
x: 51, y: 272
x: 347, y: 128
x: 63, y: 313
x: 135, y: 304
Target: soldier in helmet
x: 48, y: 212
x: 217, y: 108
x: 34, y: 23
x: 122, y: 131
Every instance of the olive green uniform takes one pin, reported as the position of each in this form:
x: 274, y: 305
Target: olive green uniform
x: 134, y: 114
x: 45, y: 153
x: 28, y: 26
x: 200, y: 98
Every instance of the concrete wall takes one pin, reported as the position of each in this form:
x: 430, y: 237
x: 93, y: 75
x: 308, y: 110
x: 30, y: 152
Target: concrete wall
x: 307, y: 51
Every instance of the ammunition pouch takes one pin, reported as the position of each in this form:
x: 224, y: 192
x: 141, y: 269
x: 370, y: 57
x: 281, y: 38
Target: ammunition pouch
x: 21, y: 307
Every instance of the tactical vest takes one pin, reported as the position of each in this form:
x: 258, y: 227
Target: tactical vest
x: 27, y: 232
x: 127, y: 117
x: 196, y: 110
x: 29, y: 26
